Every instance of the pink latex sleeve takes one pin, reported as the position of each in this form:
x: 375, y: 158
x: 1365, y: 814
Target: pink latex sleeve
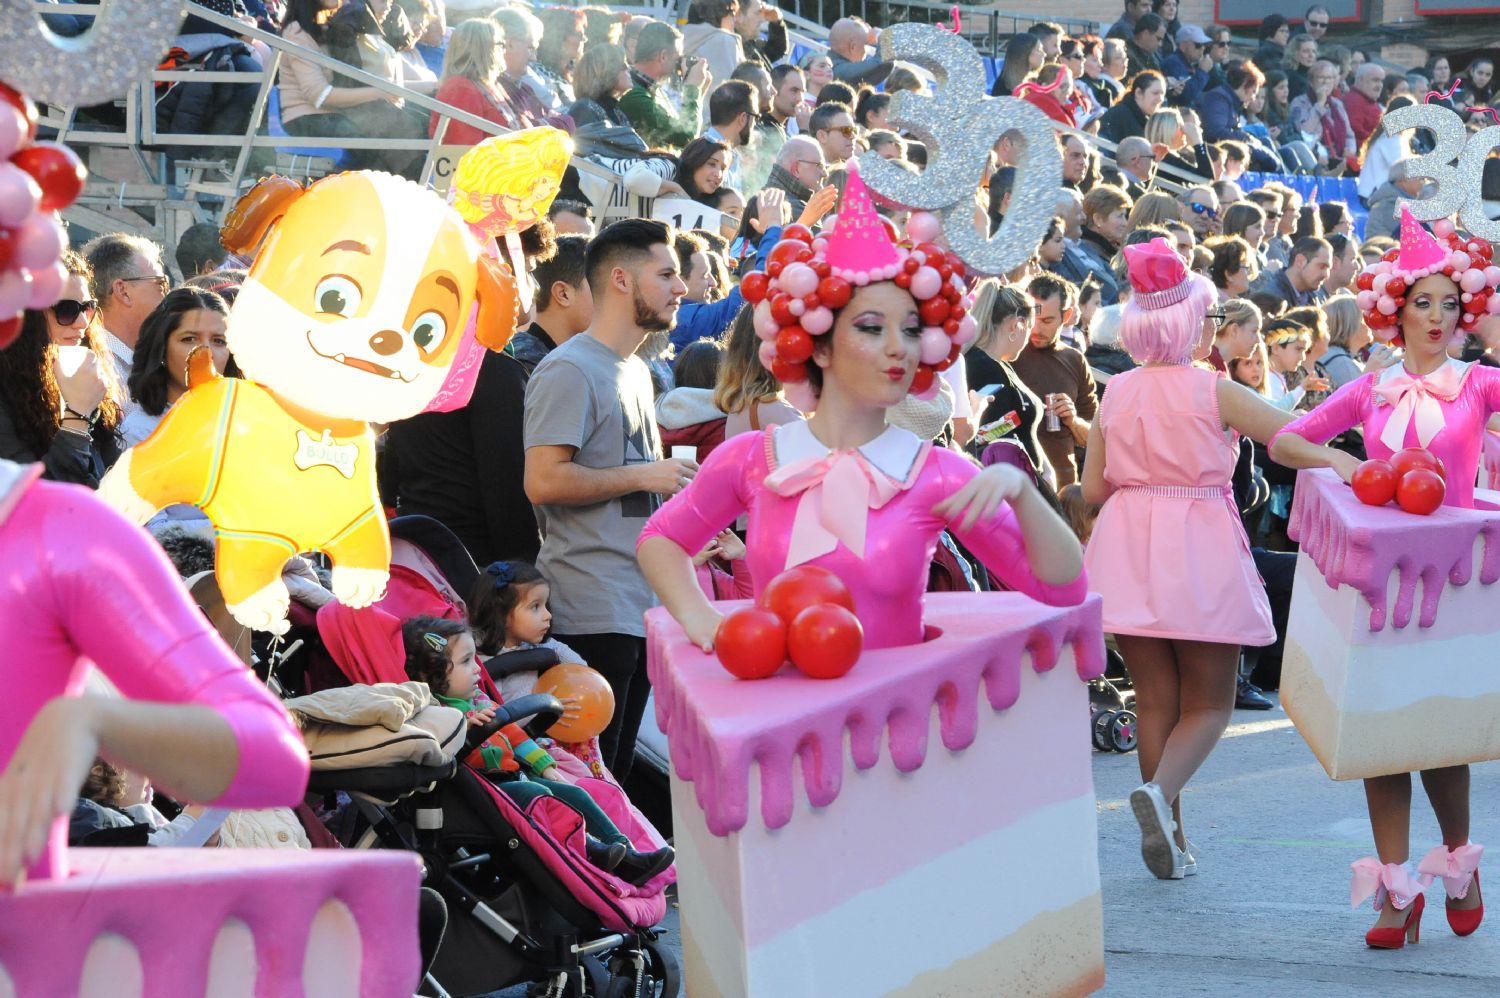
x: 122, y: 604
x: 1340, y: 412
x: 716, y: 500
x: 999, y: 543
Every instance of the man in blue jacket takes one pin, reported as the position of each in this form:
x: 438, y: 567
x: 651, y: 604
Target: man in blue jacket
x: 1187, y: 68
x: 708, y: 320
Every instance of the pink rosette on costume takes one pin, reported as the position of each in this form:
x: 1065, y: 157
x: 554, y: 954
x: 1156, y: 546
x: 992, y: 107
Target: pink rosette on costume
x: 1455, y: 867
x: 1394, y: 880
x: 1383, y: 285
x: 809, y: 279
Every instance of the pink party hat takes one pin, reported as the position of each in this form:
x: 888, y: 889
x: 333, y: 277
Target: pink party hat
x: 1420, y: 252
x: 860, y: 249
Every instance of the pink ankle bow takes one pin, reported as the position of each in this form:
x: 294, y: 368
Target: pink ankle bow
x: 1416, y: 402
x: 838, y: 490
x: 1456, y: 867
x: 1373, y: 878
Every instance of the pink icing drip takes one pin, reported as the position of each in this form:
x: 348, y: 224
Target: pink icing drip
x: 1359, y: 546
x: 717, y: 725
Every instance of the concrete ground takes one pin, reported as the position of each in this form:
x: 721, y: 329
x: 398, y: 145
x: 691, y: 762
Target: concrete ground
x: 1268, y: 914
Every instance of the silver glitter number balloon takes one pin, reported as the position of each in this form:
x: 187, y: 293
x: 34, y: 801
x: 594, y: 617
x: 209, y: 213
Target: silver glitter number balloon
x: 1459, y: 188
x: 125, y: 43
x: 960, y: 124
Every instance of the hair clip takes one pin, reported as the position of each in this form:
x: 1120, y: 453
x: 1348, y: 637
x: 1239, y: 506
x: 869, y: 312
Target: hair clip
x: 502, y: 572
x: 435, y: 641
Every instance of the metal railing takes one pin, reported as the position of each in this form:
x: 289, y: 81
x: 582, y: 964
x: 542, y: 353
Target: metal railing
x: 205, y: 189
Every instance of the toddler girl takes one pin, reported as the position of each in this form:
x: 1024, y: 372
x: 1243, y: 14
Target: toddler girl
x: 441, y: 654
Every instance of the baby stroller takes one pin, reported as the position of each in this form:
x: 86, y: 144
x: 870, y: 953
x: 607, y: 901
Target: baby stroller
x: 524, y: 904
x: 1112, y: 719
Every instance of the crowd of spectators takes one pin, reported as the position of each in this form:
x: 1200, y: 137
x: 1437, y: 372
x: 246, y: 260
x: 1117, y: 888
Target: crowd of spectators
x: 639, y: 334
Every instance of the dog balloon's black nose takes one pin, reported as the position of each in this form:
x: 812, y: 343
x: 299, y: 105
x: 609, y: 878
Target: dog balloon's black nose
x: 386, y: 342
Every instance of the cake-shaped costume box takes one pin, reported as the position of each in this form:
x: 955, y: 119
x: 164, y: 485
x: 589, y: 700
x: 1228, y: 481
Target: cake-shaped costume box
x: 231, y: 923
x: 924, y: 825
x: 1393, y: 647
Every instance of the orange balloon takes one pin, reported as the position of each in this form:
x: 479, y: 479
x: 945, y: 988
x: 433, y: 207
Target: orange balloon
x: 596, y: 701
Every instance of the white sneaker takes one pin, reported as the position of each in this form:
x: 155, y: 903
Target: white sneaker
x: 1152, y: 812
x: 1189, y: 860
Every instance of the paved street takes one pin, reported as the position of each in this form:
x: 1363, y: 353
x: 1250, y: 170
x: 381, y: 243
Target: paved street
x: 1268, y: 914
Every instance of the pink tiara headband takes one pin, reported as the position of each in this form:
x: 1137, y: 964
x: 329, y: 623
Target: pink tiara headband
x: 808, y: 279
x: 1383, y: 285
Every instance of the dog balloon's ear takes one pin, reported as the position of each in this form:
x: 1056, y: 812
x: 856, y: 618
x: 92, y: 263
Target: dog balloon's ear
x: 498, y: 303
x: 253, y: 215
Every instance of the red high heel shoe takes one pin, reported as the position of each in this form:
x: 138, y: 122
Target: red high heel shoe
x: 1397, y: 936
x: 1463, y: 921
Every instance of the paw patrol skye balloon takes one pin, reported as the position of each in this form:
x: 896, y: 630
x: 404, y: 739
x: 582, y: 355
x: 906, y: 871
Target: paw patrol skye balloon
x: 364, y: 290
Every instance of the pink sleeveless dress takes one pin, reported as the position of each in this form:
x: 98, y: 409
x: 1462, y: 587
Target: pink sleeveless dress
x: 1168, y: 553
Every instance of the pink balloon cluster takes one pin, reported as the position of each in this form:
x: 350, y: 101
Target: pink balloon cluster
x: 31, y: 234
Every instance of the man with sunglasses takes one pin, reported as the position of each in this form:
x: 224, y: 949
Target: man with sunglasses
x: 1191, y: 64
x: 1200, y: 210
x: 128, y: 283
x: 1315, y: 22
x: 833, y: 126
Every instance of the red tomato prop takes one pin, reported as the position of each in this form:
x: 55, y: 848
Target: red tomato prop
x: 1413, y: 458
x: 1374, y: 483
x: 825, y: 641
x: 798, y: 588
x: 1420, y: 491
x: 751, y: 643
x: 57, y: 171
x: 596, y: 701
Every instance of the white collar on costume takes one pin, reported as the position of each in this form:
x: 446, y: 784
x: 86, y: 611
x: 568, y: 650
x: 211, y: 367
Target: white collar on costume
x: 1452, y: 373
x: 895, y: 452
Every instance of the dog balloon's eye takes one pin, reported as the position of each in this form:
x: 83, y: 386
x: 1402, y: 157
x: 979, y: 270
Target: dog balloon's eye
x: 337, y: 295
x: 428, y: 332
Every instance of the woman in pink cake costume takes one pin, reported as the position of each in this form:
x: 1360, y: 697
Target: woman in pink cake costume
x: 1168, y: 552
x: 844, y: 489
x: 1420, y: 297
x: 79, y: 584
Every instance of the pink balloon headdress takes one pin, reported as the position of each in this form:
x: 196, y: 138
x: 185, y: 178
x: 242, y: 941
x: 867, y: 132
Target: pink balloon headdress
x: 1383, y: 285
x: 1157, y: 274
x: 808, y: 279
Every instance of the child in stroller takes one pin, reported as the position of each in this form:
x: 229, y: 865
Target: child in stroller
x: 441, y: 654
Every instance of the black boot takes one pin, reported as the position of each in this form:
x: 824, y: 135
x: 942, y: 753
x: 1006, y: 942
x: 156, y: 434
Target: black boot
x: 605, y: 855
x: 638, y: 867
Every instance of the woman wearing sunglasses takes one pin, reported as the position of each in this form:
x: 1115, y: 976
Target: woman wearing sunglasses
x: 186, y: 320
x: 58, y: 405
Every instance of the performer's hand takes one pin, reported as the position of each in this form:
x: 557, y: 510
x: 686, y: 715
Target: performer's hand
x: 1345, y: 464
x: 982, y: 497
x: 702, y: 627
x: 41, y: 780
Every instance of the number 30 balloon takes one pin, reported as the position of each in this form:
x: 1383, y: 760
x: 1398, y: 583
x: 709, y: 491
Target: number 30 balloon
x: 1458, y: 187
x: 960, y: 125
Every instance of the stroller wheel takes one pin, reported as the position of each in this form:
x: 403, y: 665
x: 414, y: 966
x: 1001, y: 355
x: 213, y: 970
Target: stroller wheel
x: 1103, y: 719
x: 660, y: 977
x: 1122, y: 731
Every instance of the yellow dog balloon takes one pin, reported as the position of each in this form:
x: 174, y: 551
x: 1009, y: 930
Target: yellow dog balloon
x: 360, y: 299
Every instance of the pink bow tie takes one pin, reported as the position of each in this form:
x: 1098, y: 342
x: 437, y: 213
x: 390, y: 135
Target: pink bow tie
x: 1416, y: 402
x: 838, y: 490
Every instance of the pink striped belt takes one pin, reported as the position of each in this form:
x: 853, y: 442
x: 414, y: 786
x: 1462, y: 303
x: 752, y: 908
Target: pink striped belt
x: 1180, y: 491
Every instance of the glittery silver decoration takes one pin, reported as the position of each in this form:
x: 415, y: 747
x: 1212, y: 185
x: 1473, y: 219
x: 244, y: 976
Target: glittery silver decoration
x: 1471, y: 173
x: 1452, y: 193
x: 960, y: 124
x: 125, y: 43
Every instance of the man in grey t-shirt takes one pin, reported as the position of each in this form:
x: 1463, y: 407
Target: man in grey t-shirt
x: 594, y: 468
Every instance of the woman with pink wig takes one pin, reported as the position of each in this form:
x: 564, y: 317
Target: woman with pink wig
x: 1168, y: 553
x: 1418, y: 297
